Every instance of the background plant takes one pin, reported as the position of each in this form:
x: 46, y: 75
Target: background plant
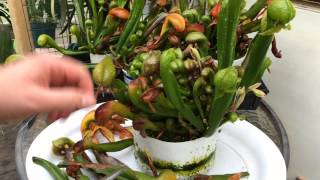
x: 6, y: 43
x: 4, y: 13
x: 41, y: 11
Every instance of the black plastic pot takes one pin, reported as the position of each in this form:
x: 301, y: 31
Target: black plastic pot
x: 6, y: 43
x: 7, y: 28
x: 42, y: 28
x: 84, y: 58
x: 251, y: 102
x: 104, y: 97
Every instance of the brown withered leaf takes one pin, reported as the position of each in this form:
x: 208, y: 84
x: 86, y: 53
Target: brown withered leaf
x: 150, y: 94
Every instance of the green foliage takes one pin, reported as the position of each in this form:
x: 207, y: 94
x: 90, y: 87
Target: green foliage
x: 6, y: 45
x: 39, y: 9
x: 4, y: 12
x: 171, y: 57
x: 281, y: 10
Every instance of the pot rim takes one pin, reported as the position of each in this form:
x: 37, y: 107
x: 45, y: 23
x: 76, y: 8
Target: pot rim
x: 214, y: 135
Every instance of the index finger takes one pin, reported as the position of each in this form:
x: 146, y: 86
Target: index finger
x: 68, y: 72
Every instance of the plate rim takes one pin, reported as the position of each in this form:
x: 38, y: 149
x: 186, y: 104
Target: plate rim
x: 227, y: 126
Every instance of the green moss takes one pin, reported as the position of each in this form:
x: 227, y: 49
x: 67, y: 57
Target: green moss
x: 189, y: 169
x: 197, y: 169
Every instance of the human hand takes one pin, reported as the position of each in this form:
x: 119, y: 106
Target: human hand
x: 44, y: 83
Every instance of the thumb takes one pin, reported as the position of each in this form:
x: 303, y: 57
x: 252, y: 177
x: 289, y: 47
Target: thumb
x: 60, y: 99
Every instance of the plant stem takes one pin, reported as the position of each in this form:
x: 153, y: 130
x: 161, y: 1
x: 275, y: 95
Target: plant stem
x: 255, y: 9
x: 254, y: 59
x: 171, y: 88
x: 196, y: 92
x: 217, y: 111
x: 54, y: 170
x: 131, y: 24
x: 109, y: 147
x: 228, y: 21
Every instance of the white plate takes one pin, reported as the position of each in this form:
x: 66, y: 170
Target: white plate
x: 240, y: 147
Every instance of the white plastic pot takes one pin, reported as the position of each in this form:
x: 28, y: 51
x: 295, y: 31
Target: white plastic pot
x: 185, y: 158
x: 127, y: 78
x: 96, y: 58
x: 236, y: 62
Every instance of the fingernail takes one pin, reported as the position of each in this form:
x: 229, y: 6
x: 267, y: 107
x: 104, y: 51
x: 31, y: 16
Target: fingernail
x: 87, y: 101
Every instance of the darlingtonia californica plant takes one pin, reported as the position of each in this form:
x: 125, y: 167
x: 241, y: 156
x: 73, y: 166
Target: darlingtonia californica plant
x: 185, y: 85
x: 180, y: 56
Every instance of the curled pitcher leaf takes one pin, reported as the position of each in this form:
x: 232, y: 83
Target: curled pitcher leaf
x: 196, y: 37
x: 226, y: 79
x: 201, y: 40
x: 281, y: 10
x: 13, y: 58
x: 179, y: 53
x: 195, y: 27
x: 75, y: 30
x: 142, y: 124
x: 59, y: 146
x: 105, y: 72
x: 225, y: 82
x: 45, y: 40
x: 152, y: 64
x: 110, y: 108
x: 107, y: 133
x: 176, y: 20
x: 216, y: 10
x: 232, y: 116
x: 86, y: 121
x: 191, y: 15
x: 88, y: 23
x: 120, y: 13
